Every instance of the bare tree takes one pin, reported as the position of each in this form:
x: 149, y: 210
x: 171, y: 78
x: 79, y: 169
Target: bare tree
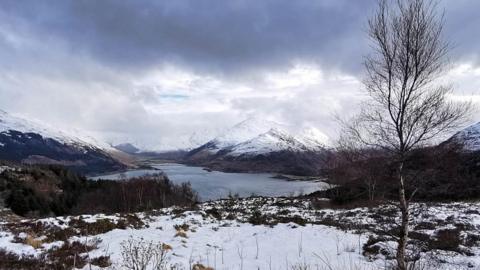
x: 408, y: 108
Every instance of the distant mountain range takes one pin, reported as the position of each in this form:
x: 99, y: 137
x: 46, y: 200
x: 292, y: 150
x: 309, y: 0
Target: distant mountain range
x: 257, y: 145
x: 254, y: 145
x: 29, y: 142
x: 255, y: 136
x: 127, y: 148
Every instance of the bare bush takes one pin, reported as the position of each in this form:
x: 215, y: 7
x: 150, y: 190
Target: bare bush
x: 139, y: 254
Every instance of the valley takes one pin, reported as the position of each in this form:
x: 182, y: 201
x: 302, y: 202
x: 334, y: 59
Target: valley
x: 239, y: 135
x: 231, y: 220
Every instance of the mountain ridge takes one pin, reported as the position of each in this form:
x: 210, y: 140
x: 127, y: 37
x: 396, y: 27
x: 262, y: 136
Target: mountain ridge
x: 30, y: 142
x: 468, y: 138
x: 263, y: 146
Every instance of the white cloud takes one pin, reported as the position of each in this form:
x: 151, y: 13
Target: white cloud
x: 164, y: 106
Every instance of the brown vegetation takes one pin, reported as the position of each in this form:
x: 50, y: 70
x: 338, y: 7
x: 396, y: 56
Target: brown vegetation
x: 38, y: 191
x: 442, y: 173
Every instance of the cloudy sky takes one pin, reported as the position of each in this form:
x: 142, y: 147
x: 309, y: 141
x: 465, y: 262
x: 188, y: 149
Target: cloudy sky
x: 153, y: 71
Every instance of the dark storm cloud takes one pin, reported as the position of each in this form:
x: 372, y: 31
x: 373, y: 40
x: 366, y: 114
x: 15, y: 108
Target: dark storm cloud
x: 462, y: 29
x: 218, y: 36
x: 221, y: 36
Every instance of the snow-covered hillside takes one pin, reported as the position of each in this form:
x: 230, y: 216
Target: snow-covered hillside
x: 251, y: 233
x: 9, y: 122
x: 160, y: 145
x: 313, y: 138
x: 30, y: 142
x: 468, y: 137
x: 274, y: 140
x: 250, y: 131
x: 243, y: 132
x: 257, y: 145
x: 258, y: 136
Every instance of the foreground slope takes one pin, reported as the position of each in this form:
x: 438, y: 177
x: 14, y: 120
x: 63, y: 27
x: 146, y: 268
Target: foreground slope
x: 253, y: 233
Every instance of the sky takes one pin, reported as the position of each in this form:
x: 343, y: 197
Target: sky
x: 154, y: 72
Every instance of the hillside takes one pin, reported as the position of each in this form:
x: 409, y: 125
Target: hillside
x: 263, y: 146
x: 251, y: 233
x: 29, y: 142
x: 46, y: 190
x: 469, y: 138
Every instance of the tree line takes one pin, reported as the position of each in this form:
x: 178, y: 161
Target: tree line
x: 51, y: 190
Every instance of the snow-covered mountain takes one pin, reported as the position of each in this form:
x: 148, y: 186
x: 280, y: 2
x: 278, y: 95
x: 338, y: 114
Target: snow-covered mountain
x: 32, y: 142
x: 275, y: 140
x: 127, y: 148
x: 256, y: 136
x: 218, y: 139
x: 261, y: 145
x: 468, y: 137
x: 243, y: 132
x: 74, y: 137
x: 160, y: 145
x: 313, y: 138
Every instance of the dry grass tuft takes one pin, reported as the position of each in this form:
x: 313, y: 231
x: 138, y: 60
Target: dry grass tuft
x: 182, y: 234
x: 33, y: 242
x: 166, y: 247
x: 201, y: 267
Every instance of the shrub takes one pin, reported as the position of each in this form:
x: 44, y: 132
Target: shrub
x: 446, y: 239
x: 371, y: 247
x: 214, y: 213
x: 141, y: 254
x: 70, y: 255
x: 100, y: 226
x: 102, y: 261
x: 130, y: 220
x: 9, y: 260
x: 257, y: 218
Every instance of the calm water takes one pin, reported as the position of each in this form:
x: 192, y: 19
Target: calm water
x: 216, y: 185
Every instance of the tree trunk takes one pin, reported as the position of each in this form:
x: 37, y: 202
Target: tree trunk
x: 403, y: 237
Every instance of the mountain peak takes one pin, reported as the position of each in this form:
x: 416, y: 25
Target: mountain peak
x: 244, y: 131
x: 259, y: 136
x: 127, y: 148
x: 261, y: 145
x: 313, y: 136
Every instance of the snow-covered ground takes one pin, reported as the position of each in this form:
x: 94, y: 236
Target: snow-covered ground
x: 236, y: 245
x: 260, y: 233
